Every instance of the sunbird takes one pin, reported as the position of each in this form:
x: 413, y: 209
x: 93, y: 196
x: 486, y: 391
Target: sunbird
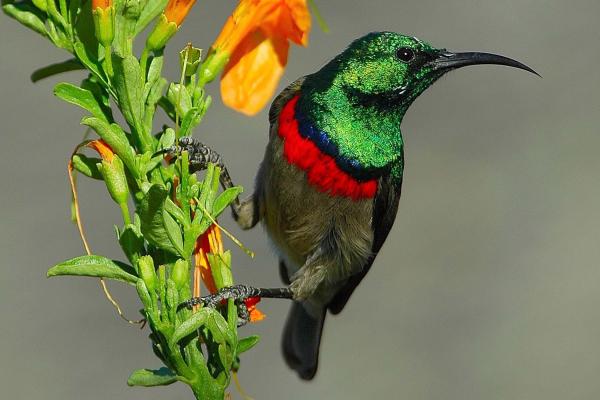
x: 328, y: 188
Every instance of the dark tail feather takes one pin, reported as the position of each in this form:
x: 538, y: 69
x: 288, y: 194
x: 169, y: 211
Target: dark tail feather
x: 301, y: 340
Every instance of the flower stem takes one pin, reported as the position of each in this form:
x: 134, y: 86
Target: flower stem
x: 108, y: 67
x: 125, y: 213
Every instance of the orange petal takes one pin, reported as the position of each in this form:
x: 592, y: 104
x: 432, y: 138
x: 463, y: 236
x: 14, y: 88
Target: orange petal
x: 290, y: 19
x: 203, y: 247
x: 177, y: 10
x: 256, y: 315
x: 238, y: 25
x: 253, y: 72
x: 102, y: 148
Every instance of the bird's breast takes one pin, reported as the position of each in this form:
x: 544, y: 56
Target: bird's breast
x: 309, y: 150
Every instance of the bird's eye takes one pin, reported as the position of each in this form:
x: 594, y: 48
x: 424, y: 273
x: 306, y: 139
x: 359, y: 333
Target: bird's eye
x: 405, y: 54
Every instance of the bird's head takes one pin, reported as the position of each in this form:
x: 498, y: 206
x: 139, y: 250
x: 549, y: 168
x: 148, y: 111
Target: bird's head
x: 389, y: 70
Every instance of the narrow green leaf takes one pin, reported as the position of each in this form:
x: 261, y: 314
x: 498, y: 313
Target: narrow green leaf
x: 87, y: 166
x: 129, y: 87
x: 225, y: 199
x: 100, y: 93
x: 80, y: 97
x: 96, y: 266
x: 167, y: 107
x: 180, y: 98
x: 175, y: 211
x: 219, y: 329
x: 157, y: 226
x: 191, y: 325
x: 92, y: 65
x: 247, y: 343
x: 189, y: 122
x: 27, y: 15
x: 54, y: 69
x: 225, y: 356
x: 114, y: 136
x: 152, y: 377
x: 132, y: 243
x: 149, y: 12
x: 154, y: 94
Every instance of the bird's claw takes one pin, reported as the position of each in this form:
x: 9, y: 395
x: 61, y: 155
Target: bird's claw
x: 199, y: 154
x: 238, y: 293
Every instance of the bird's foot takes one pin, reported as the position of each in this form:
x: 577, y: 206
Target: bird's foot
x: 239, y: 293
x: 200, y: 155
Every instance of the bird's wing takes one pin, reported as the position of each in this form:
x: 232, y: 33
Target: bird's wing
x: 384, y: 213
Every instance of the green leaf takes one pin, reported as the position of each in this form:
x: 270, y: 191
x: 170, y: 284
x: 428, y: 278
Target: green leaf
x: 102, y: 96
x: 87, y: 166
x: 114, y: 136
x: 180, y: 98
x: 225, y: 199
x: 153, y: 91
x: 144, y: 295
x: 80, y: 97
x: 129, y: 87
x: 247, y: 343
x: 167, y: 139
x: 132, y: 243
x: 158, y: 227
x: 191, y: 325
x: 149, y: 12
x: 27, y: 15
x: 225, y: 356
x: 167, y: 107
x: 97, y: 266
x: 152, y: 377
x: 219, y: 329
x: 92, y: 65
x: 54, y: 69
x: 191, y: 119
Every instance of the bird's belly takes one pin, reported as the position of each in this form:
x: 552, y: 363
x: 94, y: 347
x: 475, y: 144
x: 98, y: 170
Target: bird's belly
x: 301, y: 219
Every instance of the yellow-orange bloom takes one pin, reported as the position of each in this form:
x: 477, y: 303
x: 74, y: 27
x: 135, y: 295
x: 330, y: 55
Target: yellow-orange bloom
x: 177, y: 10
x: 101, y: 4
x: 211, y: 242
x: 255, y: 40
x: 102, y: 148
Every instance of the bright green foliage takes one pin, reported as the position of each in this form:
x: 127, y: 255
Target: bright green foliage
x: 171, y: 207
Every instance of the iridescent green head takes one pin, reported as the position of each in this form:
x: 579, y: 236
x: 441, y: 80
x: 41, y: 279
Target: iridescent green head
x: 391, y: 70
x: 357, y: 100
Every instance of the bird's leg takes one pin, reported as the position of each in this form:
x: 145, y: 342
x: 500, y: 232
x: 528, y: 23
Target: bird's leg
x: 239, y: 293
x: 244, y: 212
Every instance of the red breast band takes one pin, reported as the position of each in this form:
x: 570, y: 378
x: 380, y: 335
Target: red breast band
x: 321, y: 169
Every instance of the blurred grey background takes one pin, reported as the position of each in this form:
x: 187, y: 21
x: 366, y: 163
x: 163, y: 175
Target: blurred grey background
x: 487, y: 288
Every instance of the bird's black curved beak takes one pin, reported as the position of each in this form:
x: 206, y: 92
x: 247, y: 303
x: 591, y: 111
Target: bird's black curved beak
x: 445, y: 61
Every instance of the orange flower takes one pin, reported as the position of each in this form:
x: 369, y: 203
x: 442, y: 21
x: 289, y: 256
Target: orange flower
x: 101, y: 4
x: 177, y: 10
x: 255, y: 42
x: 168, y: 23
x: 211, y: 242
x: 102, y: 148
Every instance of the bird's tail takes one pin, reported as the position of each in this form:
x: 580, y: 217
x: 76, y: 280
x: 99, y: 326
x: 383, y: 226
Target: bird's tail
x: 301, y: 339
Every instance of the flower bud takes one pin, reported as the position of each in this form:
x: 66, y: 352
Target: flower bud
x: 147, y: 272
x: 163, y: 31
x: 180, y: 273
x: 104, y: 21
x: 113, y: 172
x: 189, y: 59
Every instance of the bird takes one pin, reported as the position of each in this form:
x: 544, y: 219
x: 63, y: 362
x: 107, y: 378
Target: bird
x: 328, y: 188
